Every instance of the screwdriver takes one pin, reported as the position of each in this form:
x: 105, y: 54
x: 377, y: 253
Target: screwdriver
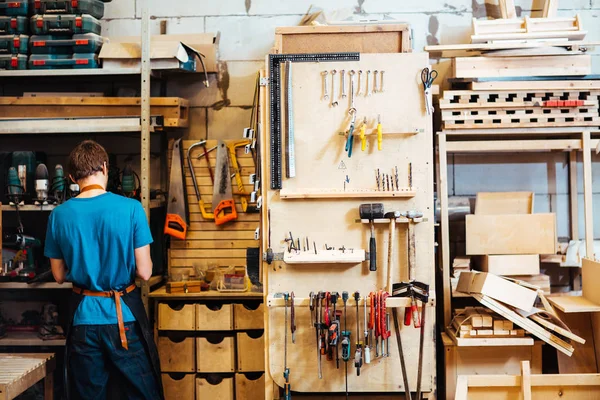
x: 379, y: 132
x: 363, y: 137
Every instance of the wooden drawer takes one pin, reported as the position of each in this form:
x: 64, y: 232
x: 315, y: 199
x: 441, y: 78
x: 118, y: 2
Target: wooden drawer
x: 177, y: 356
x: 175, y: 389
x: 249, y: 387
x: 215, y: 354
x: 222, y: 390
x: 248, y: 318
x: 176, y: 318
x: 214, y: 317
x: 250, y: 353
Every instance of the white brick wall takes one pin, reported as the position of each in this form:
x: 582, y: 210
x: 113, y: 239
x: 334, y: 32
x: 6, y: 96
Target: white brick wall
x: 247, y: 28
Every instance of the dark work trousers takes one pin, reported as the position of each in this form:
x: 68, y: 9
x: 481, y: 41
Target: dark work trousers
x: 96, y: 356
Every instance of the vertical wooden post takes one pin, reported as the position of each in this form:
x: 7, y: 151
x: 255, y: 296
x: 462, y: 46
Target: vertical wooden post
x: 550, y: 8
x: 573, y: 193
x: 507, y: 9
x: 49, y: 385
x: 444, y: 228
x: 525, y: 380
x: 587, y: 195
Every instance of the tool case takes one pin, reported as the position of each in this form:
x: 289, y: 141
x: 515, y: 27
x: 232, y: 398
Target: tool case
x: 13, y: 44
x: 44, y: 24
x: 14, y: 7
x: 13, y: 25
x: 13, y: 61
x: 63, y: 61
x: 93, y: 7
x: 51, y: 44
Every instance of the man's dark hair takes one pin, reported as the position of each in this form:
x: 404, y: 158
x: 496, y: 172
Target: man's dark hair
x: 87, y: 158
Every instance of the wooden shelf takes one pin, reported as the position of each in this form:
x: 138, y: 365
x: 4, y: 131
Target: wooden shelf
x: 41, y: 285
x: 29, y: 207
x: 70, y: 72
x: 70, y: 126
x: 28, y: 339
x: 348, y: 256
x: 489, y: 342
x: 574, y: 304
x: 344, y: 194
x: 161, y: 293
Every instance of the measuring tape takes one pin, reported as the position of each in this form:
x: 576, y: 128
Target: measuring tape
x: 275, y: 99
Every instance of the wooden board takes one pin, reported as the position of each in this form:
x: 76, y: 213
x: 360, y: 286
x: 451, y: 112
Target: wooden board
x: 333, y: 39
x: 583, y: 360
x: 536, y: 85
x: 496, y: 67
x: 495, y: 203
x: 511, y: 234
x: 173, y: 109
x: 520, y: 264
x: 319, y: 151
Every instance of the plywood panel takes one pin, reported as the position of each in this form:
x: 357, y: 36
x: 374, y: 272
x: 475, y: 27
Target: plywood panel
x: 494, y: 203
x: 508, y: 265
x: 321, y: 163
x: 495, y: 67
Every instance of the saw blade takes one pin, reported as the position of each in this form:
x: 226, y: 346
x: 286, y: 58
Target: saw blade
x: 177, y: 196
x: 222, y: 189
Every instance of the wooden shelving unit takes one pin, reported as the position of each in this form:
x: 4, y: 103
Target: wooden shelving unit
x: 28, y: 339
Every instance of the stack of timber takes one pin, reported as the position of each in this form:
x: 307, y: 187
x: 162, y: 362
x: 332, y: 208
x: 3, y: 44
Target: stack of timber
x: 479, y: 322
x: 207, y: 244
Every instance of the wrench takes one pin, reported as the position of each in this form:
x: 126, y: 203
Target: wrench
x: 375, y: 81
x: 367, y: 90
x: 359, y: 79
x: 381, y: 82
x: 325, y: 93
x: 343, y: 73
x: 334, y: 102
x: 352, y: 109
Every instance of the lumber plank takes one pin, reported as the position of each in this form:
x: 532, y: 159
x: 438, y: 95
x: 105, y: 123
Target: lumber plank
x: 535, y: 85
x: 507, y: 9
x: 511, y: 264
x: 495, y: 203
x: 583, y: 359
x: 495, y: 67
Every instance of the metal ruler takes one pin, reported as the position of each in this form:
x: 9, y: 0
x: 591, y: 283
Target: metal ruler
x: 290, y: 152
x: 275, y: 99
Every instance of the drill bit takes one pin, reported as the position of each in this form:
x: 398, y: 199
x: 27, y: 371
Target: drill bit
x: 378, y: 181
x: 396, y: 178
x: 388, y: 181
x: 315, y: 247
x: 410, y: 175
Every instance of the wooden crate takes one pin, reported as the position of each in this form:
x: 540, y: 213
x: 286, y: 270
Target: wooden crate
x: 215, y: 354
x: 181, y: 318
x: 207, y: 244
x: 176, y: 389
x: 222, y: 390
x: 220, y: 319
x: 247, y: 388
x: 177, y: 356
x: 334, y: 39
x: 497, y: 360
x: 247, y: 318
x: 250, y: 353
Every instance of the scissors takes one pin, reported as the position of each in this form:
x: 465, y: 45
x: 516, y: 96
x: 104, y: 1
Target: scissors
x: 428, y: 76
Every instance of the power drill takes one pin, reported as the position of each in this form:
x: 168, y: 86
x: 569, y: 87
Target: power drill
x: 25, y: 244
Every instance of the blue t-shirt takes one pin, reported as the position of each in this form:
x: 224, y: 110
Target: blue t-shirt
x: 96, y: 236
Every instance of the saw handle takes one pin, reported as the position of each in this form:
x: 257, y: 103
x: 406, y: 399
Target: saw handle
x: 225, y: 212
x: 175, y: 226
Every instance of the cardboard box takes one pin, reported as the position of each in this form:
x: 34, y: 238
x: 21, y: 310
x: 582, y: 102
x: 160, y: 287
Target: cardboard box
x: 509, y: 265
x: 497, y: 288
x: 167, y: 52
x: 511, y: 234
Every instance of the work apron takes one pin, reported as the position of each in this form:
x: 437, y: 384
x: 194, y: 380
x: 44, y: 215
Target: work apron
x: 133, y: 299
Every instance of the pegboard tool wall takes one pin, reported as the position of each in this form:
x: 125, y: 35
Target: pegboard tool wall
x: 321, y: 163
x: 207, y: 244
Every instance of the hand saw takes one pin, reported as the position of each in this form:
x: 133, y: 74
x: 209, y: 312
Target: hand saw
x: 176, y: 223
x: 222, y: 203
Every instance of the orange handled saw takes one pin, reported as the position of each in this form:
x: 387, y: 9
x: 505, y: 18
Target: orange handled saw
x: 222, y: 202
x: 176, y: 224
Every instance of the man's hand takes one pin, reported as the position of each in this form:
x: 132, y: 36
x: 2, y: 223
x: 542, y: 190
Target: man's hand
x: 143, y: 262
x: 59, y: 270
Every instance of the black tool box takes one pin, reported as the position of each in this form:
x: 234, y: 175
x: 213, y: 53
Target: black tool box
x: 45, y: 24
x: 51, y: 44
x: 13, y: 44
x: 63, y: 61
x: 13, y: 61
x: 93, y: 7
x: 13, y: 25
x: 14, y: 7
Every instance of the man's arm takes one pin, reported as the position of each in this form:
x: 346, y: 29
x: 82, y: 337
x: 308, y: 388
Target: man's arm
x: 59, y: 270
x: 143, y: 262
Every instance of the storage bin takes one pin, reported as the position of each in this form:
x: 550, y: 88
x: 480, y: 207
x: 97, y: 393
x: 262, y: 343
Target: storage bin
x: 13, y: 61
x: 14, y: 44
x: 14, y: 7
x: 13, y: 25
x: 247, y: 317
x: 63, y: 61
x: 177, y: 355
x: 93, y: 7
x: 214, y: 317
x: 214, y: 388
x: 250, y: 352
x: 250, y: 386
x: 179, y: 317
x: 71, y: 24
x: 215, y: 353
x: 52, y: 44
x: 178, y: 386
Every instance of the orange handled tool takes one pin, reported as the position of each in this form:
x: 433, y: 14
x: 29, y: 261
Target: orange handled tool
x: 222, y: 203
x: 363, y: 137
x: 176, y: 222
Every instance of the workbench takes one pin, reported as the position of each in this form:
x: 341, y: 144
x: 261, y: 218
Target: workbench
x: 18, y: 372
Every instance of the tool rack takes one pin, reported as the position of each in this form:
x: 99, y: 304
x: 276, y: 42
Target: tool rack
x: 317, y: 204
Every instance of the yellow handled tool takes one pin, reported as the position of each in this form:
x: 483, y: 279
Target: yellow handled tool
x: 379, y: 132
x: 363, y: 138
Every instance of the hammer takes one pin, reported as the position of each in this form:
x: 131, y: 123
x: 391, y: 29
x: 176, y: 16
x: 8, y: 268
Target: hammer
x: 392, y: 215
x: 372, y: 212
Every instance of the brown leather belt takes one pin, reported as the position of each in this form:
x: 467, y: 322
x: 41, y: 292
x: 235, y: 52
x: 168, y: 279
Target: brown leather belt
x: 117, y: 296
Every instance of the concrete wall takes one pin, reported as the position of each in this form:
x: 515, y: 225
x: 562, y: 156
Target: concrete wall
x: 247, y: 31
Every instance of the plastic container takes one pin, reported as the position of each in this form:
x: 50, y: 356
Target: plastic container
x: 50, y: 44
x: 63, y: 61
x: 13, y: 61
x: 44, y: 24
x: 93, y: 7
x: 14, y: 25
x: 14, y: 7
x: 13, y: 44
